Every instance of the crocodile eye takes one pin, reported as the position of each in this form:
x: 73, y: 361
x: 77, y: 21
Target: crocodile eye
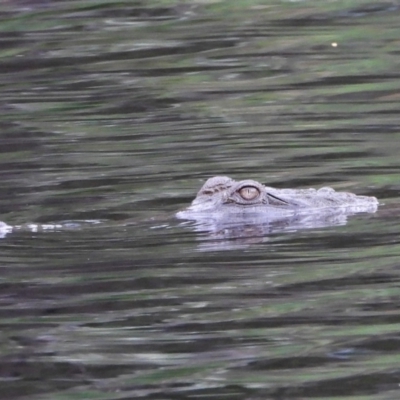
x: 249, y: 192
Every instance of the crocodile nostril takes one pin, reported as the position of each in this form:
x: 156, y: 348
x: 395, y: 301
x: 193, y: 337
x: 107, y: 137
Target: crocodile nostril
x: 249, y: 192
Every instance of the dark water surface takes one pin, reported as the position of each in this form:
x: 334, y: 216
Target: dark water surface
x: 117, y: 112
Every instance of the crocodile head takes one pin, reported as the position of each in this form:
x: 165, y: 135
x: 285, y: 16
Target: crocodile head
x: 223, y: 195
x: 223, y: 202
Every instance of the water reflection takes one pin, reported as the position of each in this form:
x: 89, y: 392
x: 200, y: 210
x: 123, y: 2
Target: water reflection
x: 229, y: 236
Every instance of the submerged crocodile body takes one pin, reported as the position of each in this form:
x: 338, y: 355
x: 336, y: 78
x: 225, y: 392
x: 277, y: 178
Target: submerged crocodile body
x: 223, y: 203
x: 5, y: 229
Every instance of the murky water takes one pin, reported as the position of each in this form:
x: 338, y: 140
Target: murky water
x: 117, y: 112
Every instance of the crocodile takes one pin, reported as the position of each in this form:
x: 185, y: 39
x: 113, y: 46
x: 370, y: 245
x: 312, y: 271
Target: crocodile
x: 229, y: 208
x: 223, y: 203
